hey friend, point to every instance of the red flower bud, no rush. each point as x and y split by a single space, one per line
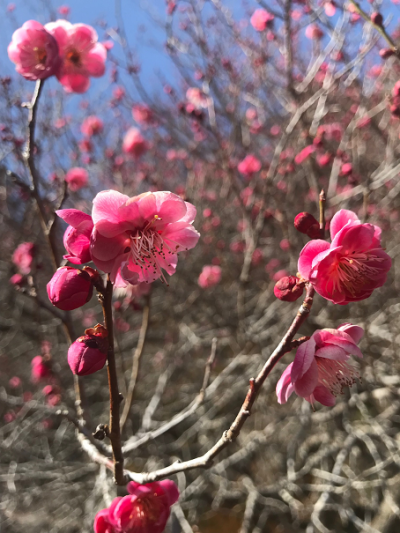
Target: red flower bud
385 53
307 224
376 18
69 288
289 288
87 354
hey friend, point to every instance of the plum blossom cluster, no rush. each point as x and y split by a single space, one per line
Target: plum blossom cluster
146 509
69 51
133 240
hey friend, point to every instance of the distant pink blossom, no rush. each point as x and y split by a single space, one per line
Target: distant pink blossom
34 51
81 54
351 266
313 32
260 19
64 10
134 143
330 8
145 510
196 97
304 154
39 369
321 366
77 178
77 235
92 125
210 276
249 165
23 256
142 114
136 238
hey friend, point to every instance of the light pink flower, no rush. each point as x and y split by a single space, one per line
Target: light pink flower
142 114
92 125
321 366
313 32
352 266
196 97
260 19
134 143
210 276
77 235
82 56
34 51
249 165
77 178
145 510
23 256
135 238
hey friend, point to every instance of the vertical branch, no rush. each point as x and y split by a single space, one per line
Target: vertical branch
115 397
136 362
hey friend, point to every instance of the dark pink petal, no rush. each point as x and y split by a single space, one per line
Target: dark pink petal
303 359
170 489
106 249
74 217
94 61
340 219
324 396
74 83
171 207
330 351
308 254
357 238
338 338
305 385
180 236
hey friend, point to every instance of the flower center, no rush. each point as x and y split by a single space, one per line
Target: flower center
353 271
41 56
74 57
336 374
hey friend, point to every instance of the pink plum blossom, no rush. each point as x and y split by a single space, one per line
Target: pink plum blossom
134 143
196 97
260 19
321 366
77 178
142 114
249 165
92 125
81 55
210 276
145 510
23 256
77 235
88 354
351 266
34 51
135 238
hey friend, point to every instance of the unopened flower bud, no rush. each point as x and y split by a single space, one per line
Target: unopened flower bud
385 53
376 18
87 354
307 224
288 289
69 288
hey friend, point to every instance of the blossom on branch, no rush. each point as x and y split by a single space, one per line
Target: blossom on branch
34 51
77 235
81 55
321 366
134 239
145 510
351 266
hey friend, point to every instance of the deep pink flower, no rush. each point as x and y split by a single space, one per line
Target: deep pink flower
81 55
77 178
352 266
88 354
23 256
210 276
34 51
77 235
39 369
145 510
69 288
134 238
260 19
321 366
134 143
92 125
304 154
249 165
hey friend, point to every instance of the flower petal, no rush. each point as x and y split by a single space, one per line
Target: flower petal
308 254
303 359
284 387
341 218
305 385
106 215
324 396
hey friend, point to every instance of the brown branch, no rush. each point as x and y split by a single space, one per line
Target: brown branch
136 363
105 299
255 386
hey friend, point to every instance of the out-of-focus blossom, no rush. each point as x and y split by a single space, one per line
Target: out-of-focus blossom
34 51
77 235
261 19
23 256
77 178
196 97
82 56
92 125
249 165
210 276
134 143
142 114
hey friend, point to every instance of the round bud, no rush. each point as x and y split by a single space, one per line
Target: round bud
376 18
386 52
288 288
307 224
69 288
87 355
